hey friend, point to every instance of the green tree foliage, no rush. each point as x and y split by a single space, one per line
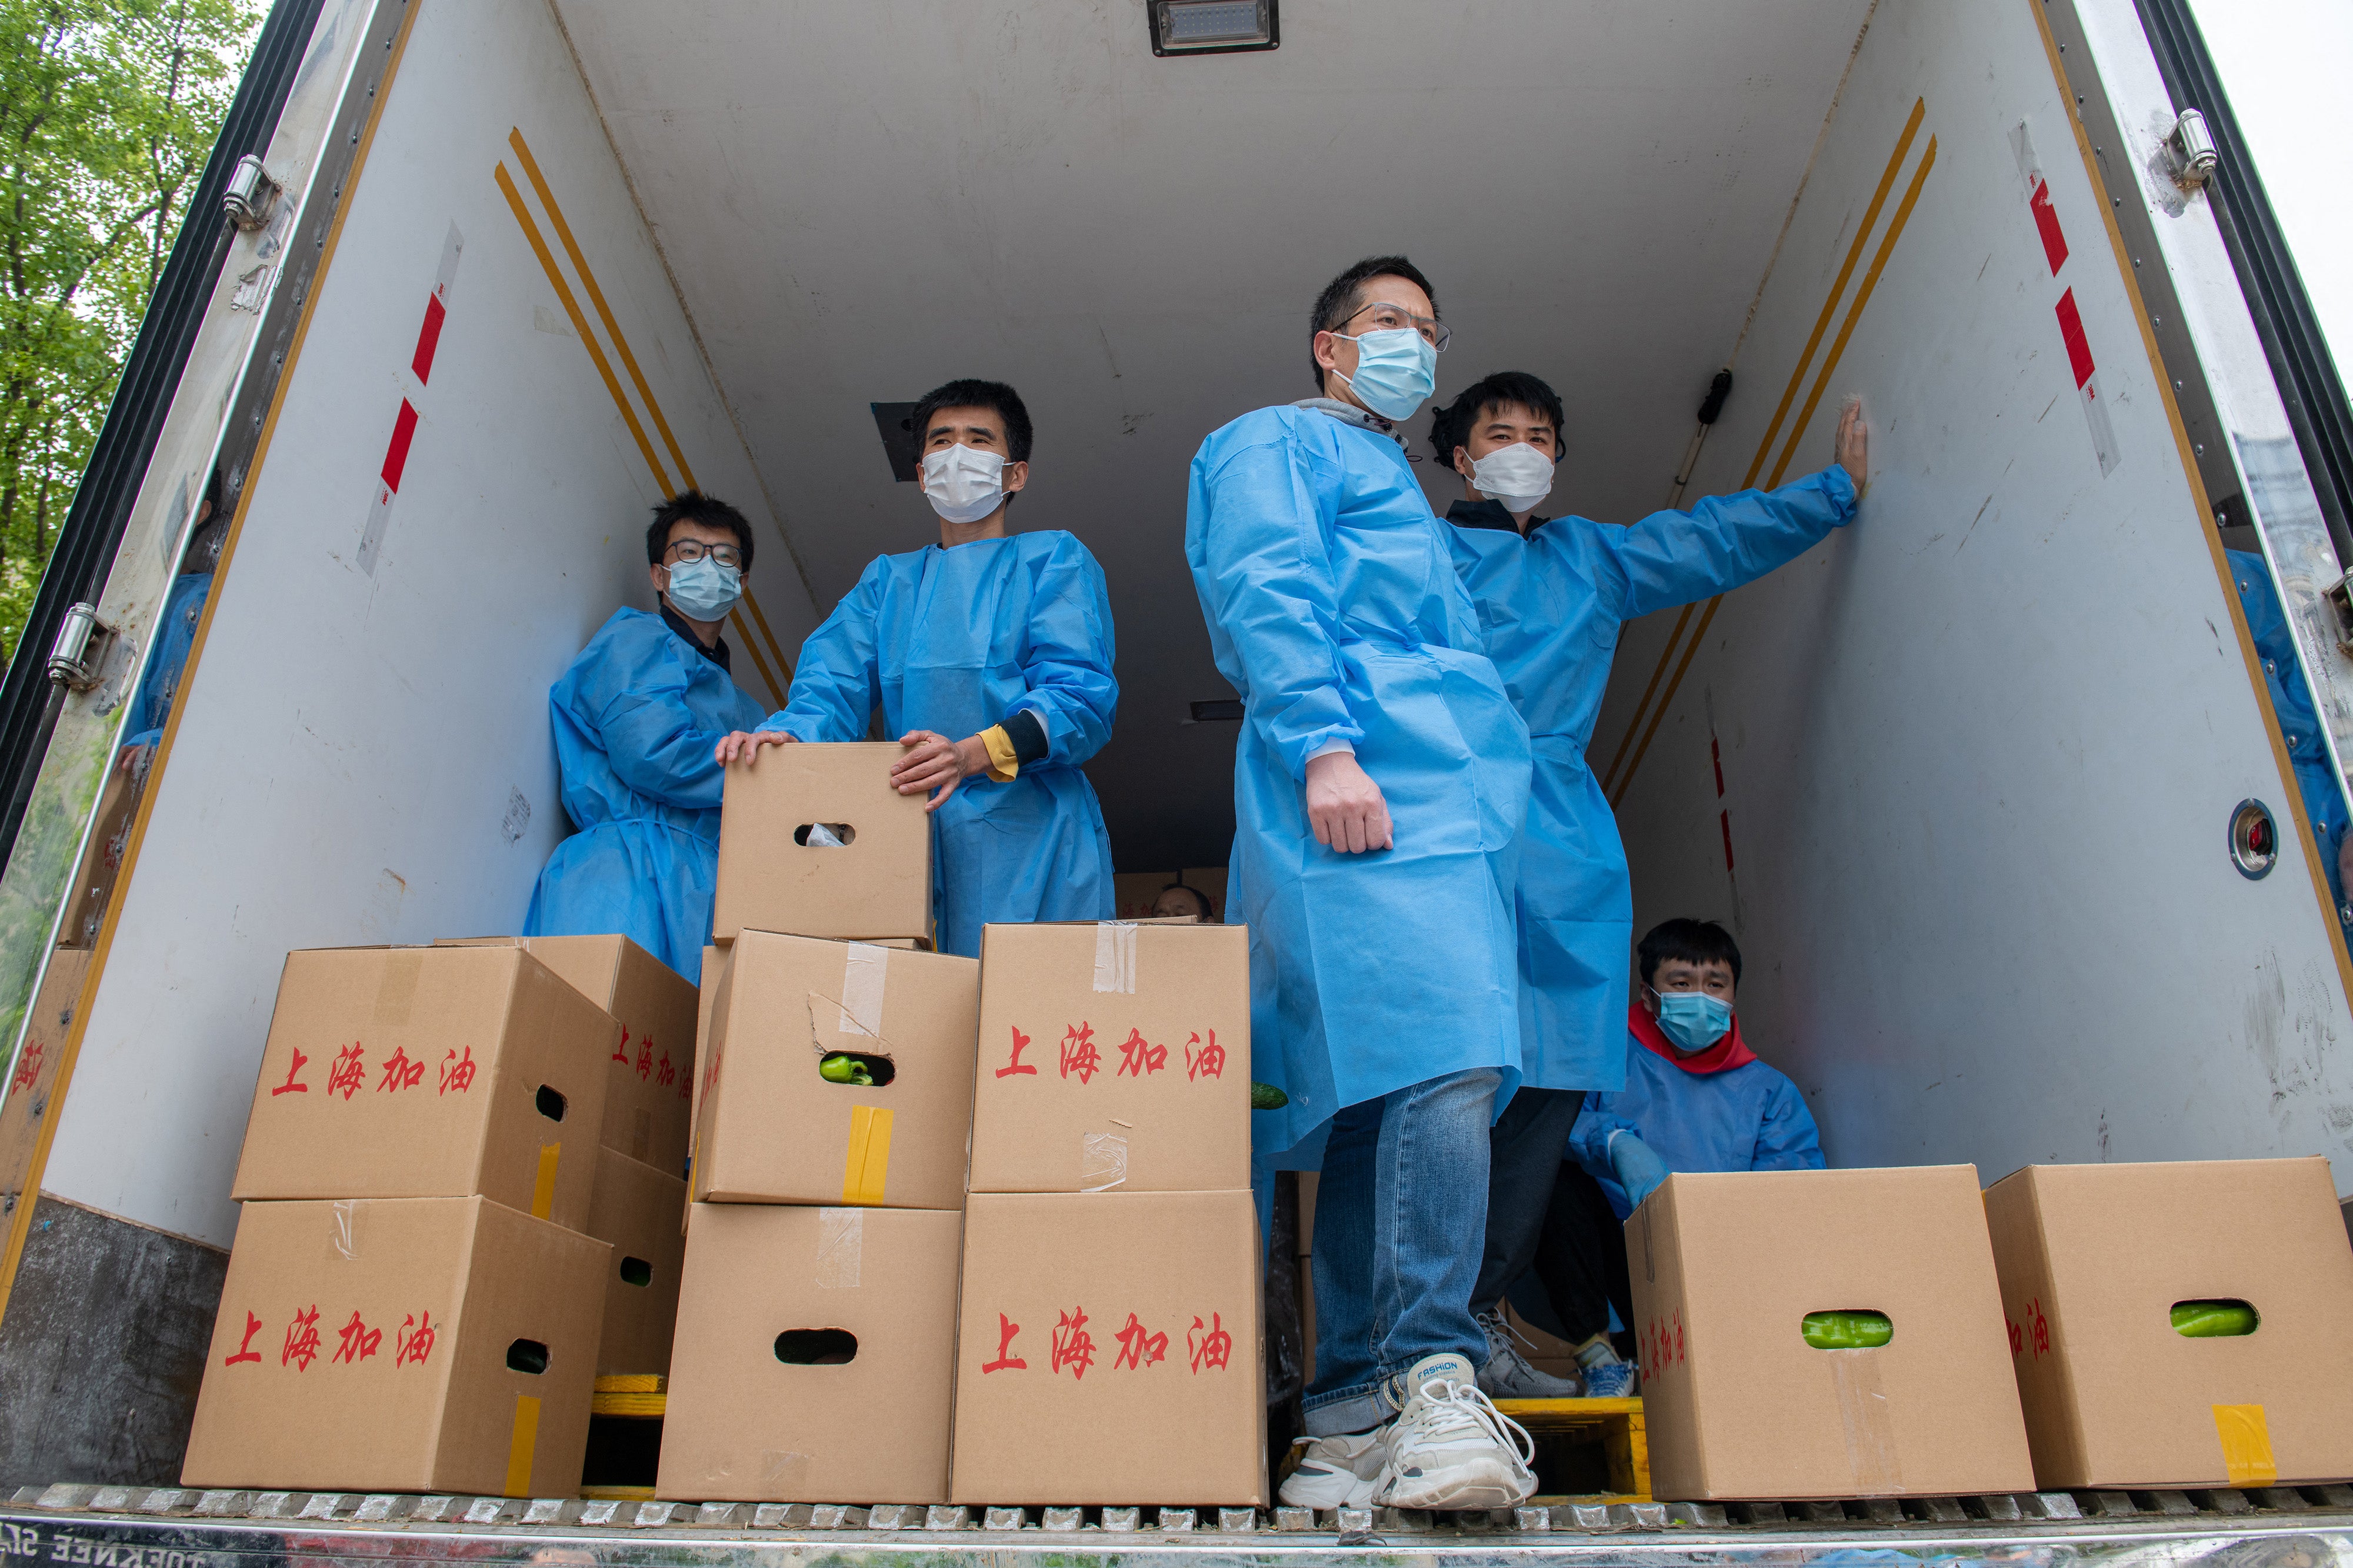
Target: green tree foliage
108 111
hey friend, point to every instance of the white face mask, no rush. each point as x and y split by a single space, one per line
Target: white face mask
963 485
1519 476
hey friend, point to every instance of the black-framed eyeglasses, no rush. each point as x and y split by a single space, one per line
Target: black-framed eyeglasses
687 551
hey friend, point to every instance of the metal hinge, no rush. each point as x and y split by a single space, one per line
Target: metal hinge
251 195
2190 148
78 659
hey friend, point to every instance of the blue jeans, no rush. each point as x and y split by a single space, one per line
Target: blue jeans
1524 1152
1399 1217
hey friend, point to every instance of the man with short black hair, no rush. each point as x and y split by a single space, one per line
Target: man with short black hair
1379 781
636 715
1551 596
990 657
1691 1096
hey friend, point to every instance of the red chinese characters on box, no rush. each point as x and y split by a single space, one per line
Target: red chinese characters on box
355 1341
400 1345
1071 1344
431 1072
1084 1313
1114 1049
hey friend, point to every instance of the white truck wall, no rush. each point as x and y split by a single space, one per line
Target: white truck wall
1977 753
364 755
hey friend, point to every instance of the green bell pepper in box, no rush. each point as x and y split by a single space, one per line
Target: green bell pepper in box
2213 1320
843 1068
1848 1331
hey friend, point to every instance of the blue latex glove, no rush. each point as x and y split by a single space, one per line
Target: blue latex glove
1637 1170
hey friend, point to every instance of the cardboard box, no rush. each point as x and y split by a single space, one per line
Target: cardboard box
2091 1260
714 960
647 1103
1112 1055
33 1077
782 1004
1725 1269
641 1211
816 1357
878 884
400 1345
418 1072
1109 1349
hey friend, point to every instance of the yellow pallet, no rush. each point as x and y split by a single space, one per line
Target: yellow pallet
631 1393
1615 1423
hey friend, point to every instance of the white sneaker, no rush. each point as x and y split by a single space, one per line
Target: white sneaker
1508 1375
1338 1472
1451 1448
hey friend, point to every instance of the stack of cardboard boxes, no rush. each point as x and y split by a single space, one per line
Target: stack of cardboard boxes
2032 1343
1108 1348
411 1304
833 1107
640 1188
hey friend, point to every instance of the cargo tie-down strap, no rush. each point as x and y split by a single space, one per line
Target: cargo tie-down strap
2246 1445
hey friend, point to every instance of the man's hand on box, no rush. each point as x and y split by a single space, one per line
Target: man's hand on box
932 761
1345 806
743 746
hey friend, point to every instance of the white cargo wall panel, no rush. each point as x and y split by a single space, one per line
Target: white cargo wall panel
364 754
1961 779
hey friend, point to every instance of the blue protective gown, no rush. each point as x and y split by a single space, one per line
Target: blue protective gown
1748 1117
637 716
956 640
1335 611
1550 605
175 632
2316 781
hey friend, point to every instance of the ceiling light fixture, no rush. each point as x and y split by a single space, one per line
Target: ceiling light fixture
1212 27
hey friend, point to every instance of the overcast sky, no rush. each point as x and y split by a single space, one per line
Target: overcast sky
2288 68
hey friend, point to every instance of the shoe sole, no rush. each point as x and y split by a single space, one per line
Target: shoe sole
1359 1495
1480 1487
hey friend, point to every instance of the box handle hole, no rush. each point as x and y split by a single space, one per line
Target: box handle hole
2215 1319
1848 1328
861 1068
551 1103
817 1347
636 1271
825 835
527 1356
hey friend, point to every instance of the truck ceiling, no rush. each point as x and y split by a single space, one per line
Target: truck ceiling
858 203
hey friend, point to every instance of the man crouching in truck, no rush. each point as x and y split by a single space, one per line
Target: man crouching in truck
1691 1096
990 655
636 715
1379 781
1551 596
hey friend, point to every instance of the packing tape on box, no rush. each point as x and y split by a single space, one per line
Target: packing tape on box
1862 1409
2246 1445
1115 956
1103 1161
522 1445
395 989
865 968
342 1231
866 1169
782 1470
543 1189
840 1248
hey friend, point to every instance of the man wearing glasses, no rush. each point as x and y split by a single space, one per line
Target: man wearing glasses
1380 780
636 715
990 657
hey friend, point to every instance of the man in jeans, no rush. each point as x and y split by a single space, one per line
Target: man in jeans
1379 780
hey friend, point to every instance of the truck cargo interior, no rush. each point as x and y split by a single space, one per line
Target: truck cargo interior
1963 782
